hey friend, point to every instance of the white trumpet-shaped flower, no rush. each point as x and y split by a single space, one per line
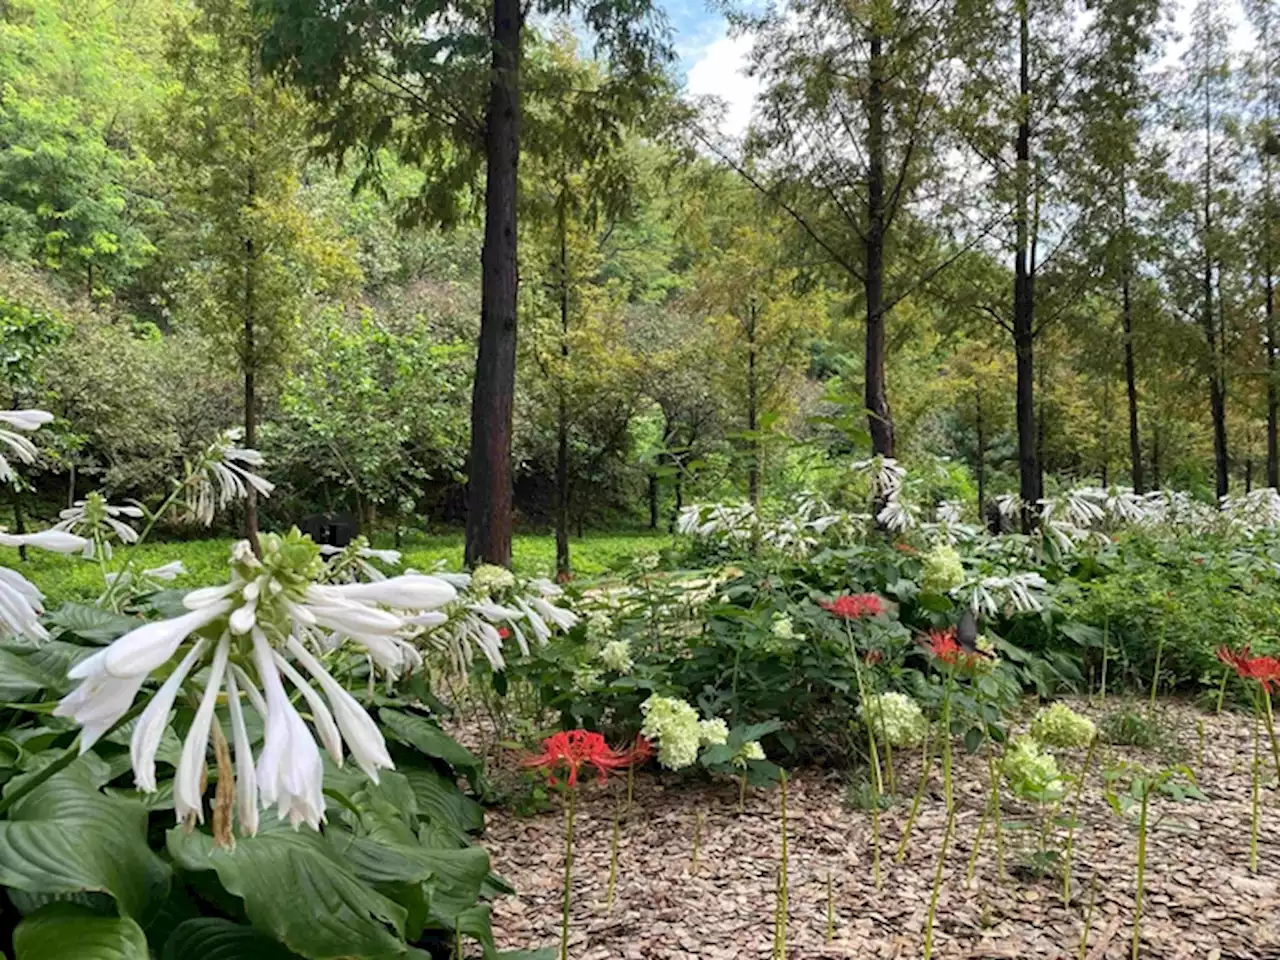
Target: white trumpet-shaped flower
272 623
99 522
224 474
26 421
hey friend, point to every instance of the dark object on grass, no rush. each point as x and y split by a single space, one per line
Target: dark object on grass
330 529
967 634
997 522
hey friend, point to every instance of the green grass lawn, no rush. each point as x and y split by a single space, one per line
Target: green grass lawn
72 578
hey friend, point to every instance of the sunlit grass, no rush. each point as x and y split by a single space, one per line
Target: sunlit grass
72 578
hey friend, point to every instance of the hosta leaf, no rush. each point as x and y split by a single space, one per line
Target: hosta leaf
211 938
442 802
66 836
91 623
296 887
26 670
454 875
423 735
62 931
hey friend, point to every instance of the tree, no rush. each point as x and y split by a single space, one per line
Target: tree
439 85
235 139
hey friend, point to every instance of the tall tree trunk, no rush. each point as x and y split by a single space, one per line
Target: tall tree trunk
489 509
1217 394
1130 369
1024 288
562 414
1269 307
653 500
250 355
879 418
753 409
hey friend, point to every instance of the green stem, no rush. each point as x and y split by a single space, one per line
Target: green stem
1142 869
1255 790
925 770
780 932
937 883
977 843
631 782
1155 676
1271 729
831 910
568 872
946 738
1200 748
994 774
742 792
132 555
1106 642
1088 919
1071 825
1222 691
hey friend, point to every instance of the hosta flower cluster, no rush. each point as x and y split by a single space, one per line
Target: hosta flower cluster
1058 725
1030 769
493 605
274 623
679 732
896 717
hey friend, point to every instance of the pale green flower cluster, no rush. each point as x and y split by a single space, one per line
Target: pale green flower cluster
1030 769
616 656
897 718
751 750
599 626
490 579
783 628
586 679
943 571
1060 726
713 733
675 726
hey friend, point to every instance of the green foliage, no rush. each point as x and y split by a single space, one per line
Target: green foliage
1058 725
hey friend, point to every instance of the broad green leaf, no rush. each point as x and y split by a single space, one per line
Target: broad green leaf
66 836
212 938
91 623
455 875
424 735
299 889
26 670
63 931
442 802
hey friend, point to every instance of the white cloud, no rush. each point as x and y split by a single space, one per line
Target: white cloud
720 71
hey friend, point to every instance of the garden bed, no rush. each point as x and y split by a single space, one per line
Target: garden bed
1202 900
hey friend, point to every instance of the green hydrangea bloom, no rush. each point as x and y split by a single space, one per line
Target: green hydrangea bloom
616 656
599 626
897 718
489 579
1030 769
675 726
783 628
586 679
751 750
943 571
1060 726
713 733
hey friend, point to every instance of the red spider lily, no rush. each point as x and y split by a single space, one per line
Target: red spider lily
872 657
943 646
504 632
1265 670
575 749
641 751
854 606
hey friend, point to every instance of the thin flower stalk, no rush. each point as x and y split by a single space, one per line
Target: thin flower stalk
780 925
831 910
937 883
1088 919
946 738
571 794
1155 674
994 774
926 768
977 843
1140 889
1071 823
1269 716
613 860
1255 792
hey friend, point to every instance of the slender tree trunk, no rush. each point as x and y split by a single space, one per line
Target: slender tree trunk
19 518
753 410
1024 289
249 358
879 418
563 571
489 508
1130 368
1269 307
1217 395
653 500
1248 474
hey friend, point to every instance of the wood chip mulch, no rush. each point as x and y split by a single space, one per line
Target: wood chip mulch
1202 901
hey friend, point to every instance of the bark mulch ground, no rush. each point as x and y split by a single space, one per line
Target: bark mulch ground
1202 900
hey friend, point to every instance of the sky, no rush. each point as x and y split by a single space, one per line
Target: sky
712 61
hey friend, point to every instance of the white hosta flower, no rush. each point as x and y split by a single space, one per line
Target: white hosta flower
898 515
266 624
19 420
98 522
1022 592
53 540
224 474
885 475
21 605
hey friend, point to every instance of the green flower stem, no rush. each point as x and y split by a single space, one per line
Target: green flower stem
132 555
946 738
742 792
872 752
1271 729
1155 674
572 794
1071 825
631 783
780 921
937 883
1255 788
1200 747
1222 690
926 769
994 774
1142 869
888 752
977 843
1106 643
1088 919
